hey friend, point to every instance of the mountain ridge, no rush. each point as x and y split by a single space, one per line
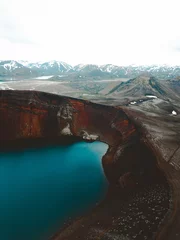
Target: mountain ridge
12 68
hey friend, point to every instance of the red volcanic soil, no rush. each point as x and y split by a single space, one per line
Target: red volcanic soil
137 205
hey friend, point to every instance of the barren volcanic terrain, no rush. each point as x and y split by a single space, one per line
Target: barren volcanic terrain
141 163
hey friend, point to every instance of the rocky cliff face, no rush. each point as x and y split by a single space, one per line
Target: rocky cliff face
28 114
131 162
32 115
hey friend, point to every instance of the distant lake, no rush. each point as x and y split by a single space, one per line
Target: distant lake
41 188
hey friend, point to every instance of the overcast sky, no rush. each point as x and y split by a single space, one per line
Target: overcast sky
91 31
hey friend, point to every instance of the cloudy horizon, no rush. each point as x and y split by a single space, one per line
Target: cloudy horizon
91 31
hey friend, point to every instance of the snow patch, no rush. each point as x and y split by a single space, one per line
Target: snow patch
174 113
44 77
133 102
10 66
86 94
151 96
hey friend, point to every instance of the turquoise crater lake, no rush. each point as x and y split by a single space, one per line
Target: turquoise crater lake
41 188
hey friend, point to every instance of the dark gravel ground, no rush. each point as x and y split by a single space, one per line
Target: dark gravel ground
136 215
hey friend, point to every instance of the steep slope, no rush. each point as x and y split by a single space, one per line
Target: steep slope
173 84
143 85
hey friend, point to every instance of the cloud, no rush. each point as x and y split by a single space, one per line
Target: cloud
91 31
11 27
177 49
175 44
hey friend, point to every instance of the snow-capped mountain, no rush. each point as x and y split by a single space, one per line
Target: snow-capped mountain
24 63
10 65
87 71
57 65
50 68
131 71
109 68
11 68
86 67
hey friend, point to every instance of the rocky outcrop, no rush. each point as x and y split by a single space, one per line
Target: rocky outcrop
130 164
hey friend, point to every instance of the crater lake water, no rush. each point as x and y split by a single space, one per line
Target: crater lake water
41 188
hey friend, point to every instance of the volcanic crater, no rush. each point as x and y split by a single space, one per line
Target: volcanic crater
142 199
